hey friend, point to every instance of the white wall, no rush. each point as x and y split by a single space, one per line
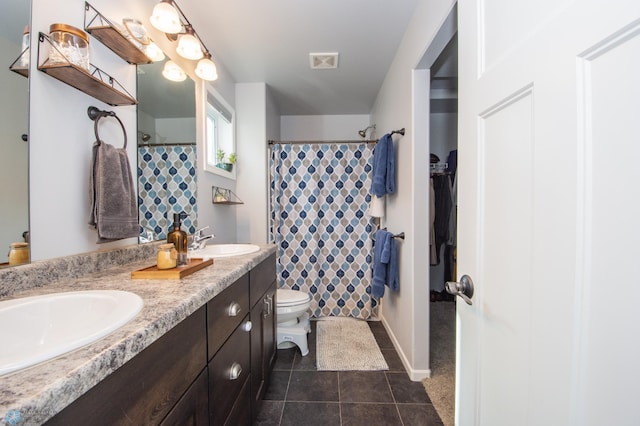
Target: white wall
61 139
322 127
258 121
406 313
175 130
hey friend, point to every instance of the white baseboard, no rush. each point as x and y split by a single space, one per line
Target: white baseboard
414 375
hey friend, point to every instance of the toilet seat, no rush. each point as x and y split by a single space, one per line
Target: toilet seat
286 298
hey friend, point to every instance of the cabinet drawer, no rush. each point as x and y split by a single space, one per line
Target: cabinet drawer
224 386
261 278
225 312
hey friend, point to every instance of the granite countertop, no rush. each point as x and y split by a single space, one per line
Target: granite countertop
37 393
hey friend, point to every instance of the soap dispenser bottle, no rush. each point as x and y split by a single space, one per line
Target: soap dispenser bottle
179 239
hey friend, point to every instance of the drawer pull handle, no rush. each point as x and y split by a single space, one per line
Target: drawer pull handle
234 309
235 371
266 307
247 326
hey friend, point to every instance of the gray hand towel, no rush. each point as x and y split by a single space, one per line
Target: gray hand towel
113 198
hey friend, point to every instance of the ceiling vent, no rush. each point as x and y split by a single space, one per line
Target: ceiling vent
323 61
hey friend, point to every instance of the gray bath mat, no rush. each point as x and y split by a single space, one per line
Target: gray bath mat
347 344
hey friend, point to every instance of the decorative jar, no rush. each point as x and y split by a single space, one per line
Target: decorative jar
19 254
167 256
70 45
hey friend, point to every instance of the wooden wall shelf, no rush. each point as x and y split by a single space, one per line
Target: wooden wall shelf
224 196
108 34
17 66
96 83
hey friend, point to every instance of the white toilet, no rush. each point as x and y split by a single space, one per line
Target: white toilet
293 319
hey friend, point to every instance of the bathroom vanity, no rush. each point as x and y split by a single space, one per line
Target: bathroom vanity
200 352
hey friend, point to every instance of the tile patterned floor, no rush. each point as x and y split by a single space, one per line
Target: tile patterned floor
299 395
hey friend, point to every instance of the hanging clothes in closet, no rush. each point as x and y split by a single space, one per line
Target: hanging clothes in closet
442 221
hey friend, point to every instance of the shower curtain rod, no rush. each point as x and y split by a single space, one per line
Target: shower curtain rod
393 132
272 142
168 144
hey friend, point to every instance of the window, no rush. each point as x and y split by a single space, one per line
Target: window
219 136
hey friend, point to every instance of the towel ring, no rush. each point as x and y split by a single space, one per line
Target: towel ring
95 114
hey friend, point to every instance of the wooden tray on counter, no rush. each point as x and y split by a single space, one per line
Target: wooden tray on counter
153 273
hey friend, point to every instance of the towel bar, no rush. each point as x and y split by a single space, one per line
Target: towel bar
96 114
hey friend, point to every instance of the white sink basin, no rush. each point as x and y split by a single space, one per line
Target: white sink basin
39 328
217 251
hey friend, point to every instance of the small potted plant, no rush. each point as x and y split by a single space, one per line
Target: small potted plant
220 157
225 165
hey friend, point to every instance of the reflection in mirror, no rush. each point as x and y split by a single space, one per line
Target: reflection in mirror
220 142
166 152
14 112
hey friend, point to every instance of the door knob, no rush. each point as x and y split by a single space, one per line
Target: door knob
463 288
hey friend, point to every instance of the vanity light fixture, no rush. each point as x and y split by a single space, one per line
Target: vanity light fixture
169 18
172 71
153 52
166 18
188 45
206 69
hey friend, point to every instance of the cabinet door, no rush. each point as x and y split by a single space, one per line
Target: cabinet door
193 407
263 345
241 412
145 389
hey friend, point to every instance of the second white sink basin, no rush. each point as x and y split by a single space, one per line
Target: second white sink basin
40 328
225 250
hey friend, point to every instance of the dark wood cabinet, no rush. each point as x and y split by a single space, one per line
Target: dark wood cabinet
212 368
262 294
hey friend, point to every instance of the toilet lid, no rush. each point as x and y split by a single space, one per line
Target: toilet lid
291 297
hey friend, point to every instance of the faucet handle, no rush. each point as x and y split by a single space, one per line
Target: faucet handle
199 231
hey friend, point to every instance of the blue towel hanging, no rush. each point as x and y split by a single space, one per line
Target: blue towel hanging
384 167
385 264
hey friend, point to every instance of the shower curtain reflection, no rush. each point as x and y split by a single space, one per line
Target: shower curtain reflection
166 185
319 196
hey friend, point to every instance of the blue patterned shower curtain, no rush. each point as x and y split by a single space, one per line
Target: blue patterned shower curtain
319 199
166 185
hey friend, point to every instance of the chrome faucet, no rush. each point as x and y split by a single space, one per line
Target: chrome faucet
199 240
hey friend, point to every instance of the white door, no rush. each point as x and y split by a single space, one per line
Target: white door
549 208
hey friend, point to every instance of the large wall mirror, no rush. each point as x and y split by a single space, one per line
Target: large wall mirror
14 119
166 152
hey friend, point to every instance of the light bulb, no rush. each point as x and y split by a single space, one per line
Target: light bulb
189 46
153 52
165 18
173 72
206 69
